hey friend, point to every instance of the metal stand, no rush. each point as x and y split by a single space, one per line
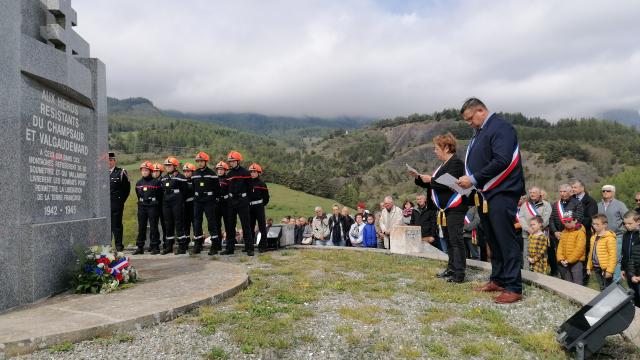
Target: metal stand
580 351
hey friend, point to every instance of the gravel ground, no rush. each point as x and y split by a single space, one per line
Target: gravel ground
398 327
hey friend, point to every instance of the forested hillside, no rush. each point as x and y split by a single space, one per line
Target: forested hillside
368 163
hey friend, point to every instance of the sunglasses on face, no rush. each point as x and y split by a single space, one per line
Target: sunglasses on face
604 191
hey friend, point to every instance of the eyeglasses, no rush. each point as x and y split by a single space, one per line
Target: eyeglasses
637 200
604 191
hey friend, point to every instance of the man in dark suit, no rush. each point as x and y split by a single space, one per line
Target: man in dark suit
589 208
493 165
120 187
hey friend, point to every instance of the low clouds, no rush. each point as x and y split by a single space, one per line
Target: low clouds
368 58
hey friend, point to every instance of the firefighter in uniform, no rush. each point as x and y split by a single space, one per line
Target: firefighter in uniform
258 200
207 190
148 192
222 208
187 171
240 184
174 186
120 188
158 169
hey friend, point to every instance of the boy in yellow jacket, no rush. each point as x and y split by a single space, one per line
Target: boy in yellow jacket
571 249
602 260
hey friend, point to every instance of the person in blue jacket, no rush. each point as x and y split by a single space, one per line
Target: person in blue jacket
493 165
369 236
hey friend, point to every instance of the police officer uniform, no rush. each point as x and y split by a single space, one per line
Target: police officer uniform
148 192
174 188
258 200
120 187
240 185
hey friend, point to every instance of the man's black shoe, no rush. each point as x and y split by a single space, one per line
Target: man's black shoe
213 252
155 251
226 252
139 251
457 280
249 253
444 274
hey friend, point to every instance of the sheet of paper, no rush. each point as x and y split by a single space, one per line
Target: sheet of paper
412 169
450 181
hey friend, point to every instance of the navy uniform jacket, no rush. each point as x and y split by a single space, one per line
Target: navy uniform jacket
490 153
259 194
119 187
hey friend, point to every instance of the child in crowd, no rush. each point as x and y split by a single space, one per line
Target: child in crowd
537 246
571 249
369 237
603 255
631 253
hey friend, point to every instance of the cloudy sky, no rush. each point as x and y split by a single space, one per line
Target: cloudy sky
369 58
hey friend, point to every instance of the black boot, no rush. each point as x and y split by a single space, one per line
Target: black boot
182 248
155 251
226 252
197 247
168 249
213 251
139 251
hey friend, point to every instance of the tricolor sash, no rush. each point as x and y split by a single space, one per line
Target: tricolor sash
474 237
454 200
531 209
495 181
560 209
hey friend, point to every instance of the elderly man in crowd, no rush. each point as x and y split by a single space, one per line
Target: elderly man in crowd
390 216
638 202
533 206
614 209
320 226
559 209
424 216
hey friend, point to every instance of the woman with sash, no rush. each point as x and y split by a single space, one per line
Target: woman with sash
451 207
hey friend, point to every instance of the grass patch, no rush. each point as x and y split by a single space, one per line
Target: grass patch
344 330
216 353
62 347
436 350
364 313
274 314
460 328
382 346
434 314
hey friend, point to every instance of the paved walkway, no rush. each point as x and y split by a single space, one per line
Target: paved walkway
170 285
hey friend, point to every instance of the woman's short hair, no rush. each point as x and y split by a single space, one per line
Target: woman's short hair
446 141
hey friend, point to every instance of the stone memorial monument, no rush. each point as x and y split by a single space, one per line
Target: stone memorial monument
53 116
408 240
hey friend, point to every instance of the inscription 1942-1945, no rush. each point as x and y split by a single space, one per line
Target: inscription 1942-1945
58 156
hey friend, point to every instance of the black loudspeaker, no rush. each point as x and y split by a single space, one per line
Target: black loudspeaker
273 237
609 313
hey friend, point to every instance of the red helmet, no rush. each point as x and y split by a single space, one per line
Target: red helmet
234 156
188 167
157 167
146 165
172 161
255 167
222 165
202 156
